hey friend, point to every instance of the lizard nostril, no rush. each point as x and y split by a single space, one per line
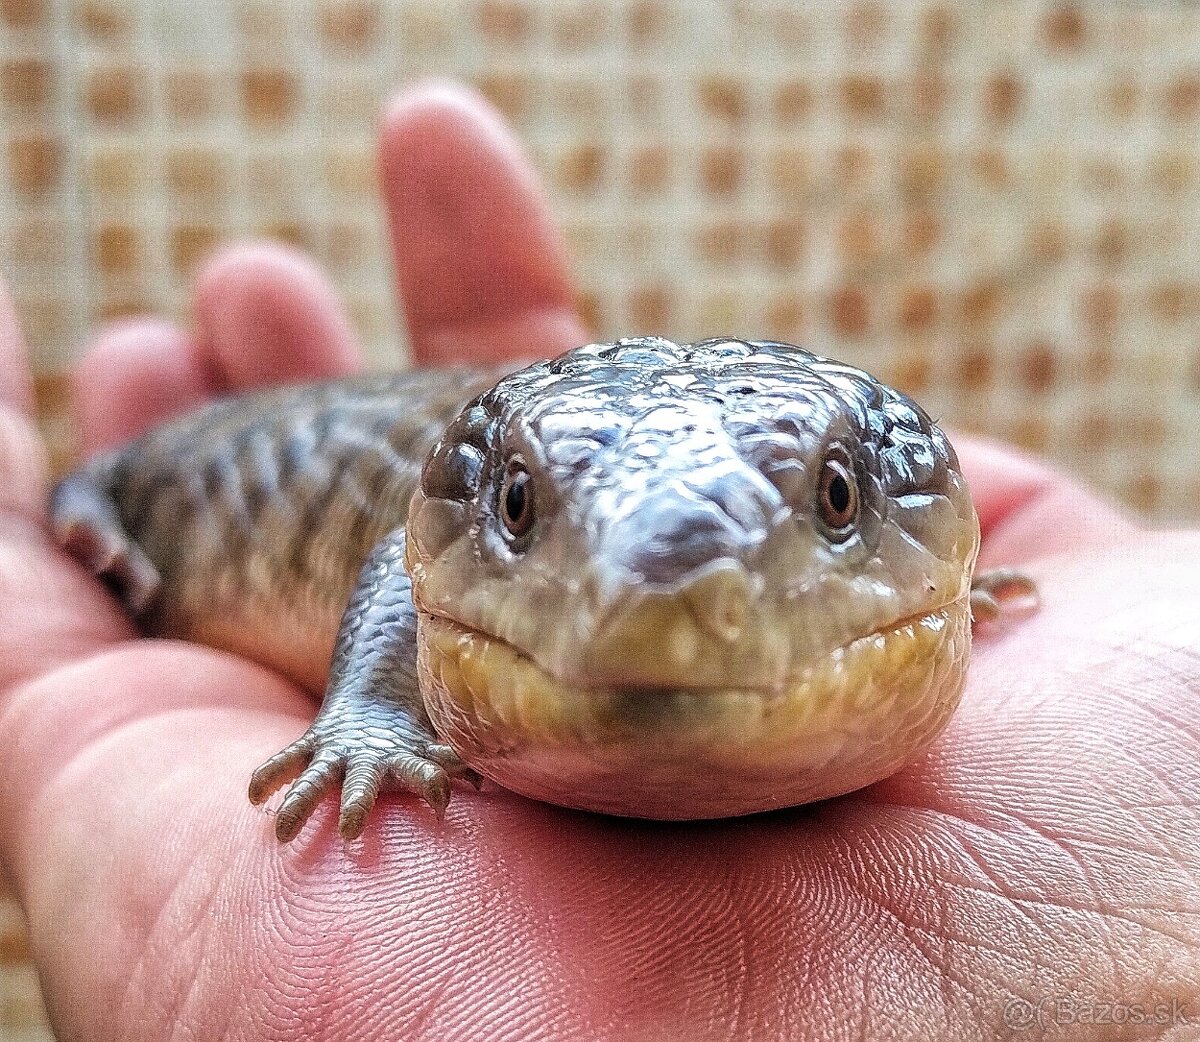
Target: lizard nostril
719 599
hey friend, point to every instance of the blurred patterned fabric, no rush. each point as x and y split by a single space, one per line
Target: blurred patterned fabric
995 205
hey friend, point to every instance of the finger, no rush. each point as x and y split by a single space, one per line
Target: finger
22 455
134 376
1029 508
482 269
52 612
267 315
16 384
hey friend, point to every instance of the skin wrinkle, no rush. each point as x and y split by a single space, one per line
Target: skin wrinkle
1081 807
736 977
134 924
759 888
261 939
111 730
1096 908
943 977
998 889
315 971
1168 720
1133 610
1009 794
296 995
909 930
418 1024
1059 844
1179 804
939 958
444 957
743 987
145 965
620 921
1101 914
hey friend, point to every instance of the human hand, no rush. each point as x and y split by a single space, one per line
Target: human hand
1045 851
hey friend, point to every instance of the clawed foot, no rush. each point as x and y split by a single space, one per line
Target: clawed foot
1001 591
364 765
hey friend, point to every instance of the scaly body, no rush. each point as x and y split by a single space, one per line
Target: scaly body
652 579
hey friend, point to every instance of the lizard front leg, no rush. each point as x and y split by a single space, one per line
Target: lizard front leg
372 731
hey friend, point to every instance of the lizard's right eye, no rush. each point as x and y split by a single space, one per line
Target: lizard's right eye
516 499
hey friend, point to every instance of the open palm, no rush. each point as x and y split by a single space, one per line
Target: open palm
1042 861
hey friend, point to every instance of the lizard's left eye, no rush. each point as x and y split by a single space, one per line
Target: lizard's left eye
516 499
837 499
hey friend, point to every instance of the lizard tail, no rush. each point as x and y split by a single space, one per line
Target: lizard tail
88 526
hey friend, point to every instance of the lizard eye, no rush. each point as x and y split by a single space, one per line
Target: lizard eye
516 499
837 499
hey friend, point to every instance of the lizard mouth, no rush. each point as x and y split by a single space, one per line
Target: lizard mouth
842 722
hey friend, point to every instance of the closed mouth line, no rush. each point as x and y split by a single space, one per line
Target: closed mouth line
649 689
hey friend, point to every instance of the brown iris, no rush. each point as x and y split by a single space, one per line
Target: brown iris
516 499
837 498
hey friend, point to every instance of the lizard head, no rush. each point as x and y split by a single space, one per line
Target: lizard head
685 581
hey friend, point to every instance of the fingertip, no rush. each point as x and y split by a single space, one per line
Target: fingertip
436 103
473 236
136 374
268 315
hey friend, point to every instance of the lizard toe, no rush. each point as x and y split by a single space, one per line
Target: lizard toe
425 778
281 768
453 764
359 791
317 779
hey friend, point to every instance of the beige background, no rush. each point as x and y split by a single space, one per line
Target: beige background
996 205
